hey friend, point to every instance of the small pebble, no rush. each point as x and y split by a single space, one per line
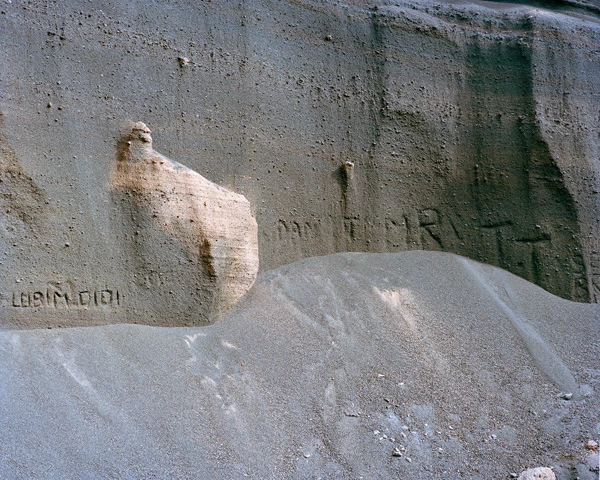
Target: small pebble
328 38
566 396
396 452
591 445
540 473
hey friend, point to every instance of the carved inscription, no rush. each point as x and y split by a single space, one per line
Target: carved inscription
431 229
352 227
536 252
397 232
67 298
579 281
294 230
423 228
416 229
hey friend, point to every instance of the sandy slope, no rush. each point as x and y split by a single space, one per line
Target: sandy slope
325 367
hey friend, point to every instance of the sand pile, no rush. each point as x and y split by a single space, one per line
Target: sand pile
410 365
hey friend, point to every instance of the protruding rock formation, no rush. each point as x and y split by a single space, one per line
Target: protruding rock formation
191 245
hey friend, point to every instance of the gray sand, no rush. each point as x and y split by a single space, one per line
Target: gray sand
325 369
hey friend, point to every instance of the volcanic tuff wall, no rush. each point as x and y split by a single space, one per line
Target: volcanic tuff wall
468 127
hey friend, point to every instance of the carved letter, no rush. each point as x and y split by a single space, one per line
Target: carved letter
25 300
38 299
106 297
429 221
282 230
61 297
85 298
296 230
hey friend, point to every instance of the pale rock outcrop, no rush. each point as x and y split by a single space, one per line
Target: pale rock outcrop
194 241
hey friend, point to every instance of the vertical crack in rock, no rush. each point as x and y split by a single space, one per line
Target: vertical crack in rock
190 245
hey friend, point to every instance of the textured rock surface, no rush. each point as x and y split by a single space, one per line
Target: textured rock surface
187 248
192 245
471 127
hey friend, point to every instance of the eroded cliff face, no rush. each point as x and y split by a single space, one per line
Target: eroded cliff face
469 127
460 151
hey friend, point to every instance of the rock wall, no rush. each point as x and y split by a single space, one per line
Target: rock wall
466 127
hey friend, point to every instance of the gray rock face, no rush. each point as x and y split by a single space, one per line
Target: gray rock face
464 127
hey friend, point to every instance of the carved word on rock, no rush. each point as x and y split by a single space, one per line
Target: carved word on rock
534 252
205 235
56 297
